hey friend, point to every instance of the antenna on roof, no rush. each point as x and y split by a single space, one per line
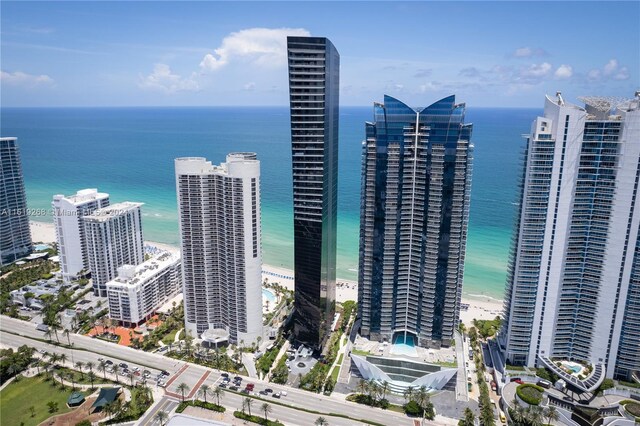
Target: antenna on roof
560 100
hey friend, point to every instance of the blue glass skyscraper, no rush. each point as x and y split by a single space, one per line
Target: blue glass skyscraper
416 181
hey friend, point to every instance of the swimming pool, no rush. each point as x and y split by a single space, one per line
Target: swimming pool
268 294
41 247
404 345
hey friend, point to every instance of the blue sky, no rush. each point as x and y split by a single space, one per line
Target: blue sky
222 53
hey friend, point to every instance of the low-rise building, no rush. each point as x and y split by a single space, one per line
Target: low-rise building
138 291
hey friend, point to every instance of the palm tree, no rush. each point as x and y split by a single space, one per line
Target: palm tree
161 417
102 366
218 392
131 377
535 416
92 377
62 358
518 411
89 365
551 414
73 379
247 402
385 388
204 390
183 387
321 421
408 393
116 369
266 409
362 386
422 397
49 334
66 333
79 366
469 418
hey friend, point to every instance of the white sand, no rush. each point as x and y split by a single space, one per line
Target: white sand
42 232
480 307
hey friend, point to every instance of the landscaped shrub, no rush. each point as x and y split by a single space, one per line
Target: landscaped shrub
201 404
632 407
256 419
530 393
412 408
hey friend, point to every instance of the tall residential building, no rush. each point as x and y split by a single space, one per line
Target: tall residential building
114 238
573 289
15 236
219 209
416 182
68 214
314 72
138 291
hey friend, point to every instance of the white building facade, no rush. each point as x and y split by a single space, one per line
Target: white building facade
138 291
573 290
219 210
114 238
68 214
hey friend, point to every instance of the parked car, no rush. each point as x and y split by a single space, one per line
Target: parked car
268 390
225 374
233 388
544 384
283 393
276 395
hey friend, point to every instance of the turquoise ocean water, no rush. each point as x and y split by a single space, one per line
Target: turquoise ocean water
129 152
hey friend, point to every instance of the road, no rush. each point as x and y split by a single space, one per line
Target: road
92 349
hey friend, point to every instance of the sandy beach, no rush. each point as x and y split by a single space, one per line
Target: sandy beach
480 307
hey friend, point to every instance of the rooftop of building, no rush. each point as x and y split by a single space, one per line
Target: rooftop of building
82 196
113 210
200 165
8 138
601 107
132 275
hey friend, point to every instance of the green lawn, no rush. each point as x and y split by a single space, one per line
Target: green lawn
170 338
359 352
16 399
335 372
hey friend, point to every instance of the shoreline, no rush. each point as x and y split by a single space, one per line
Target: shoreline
480 306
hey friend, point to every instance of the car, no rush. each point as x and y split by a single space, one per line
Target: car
238 378
250 386
123 365
263 392
222 385
268 390
233 388
164 372
519 381
283 393
108 362
225 375
276 395
100 359
42 351
162 384
135 369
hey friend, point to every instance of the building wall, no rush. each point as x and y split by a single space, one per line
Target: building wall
134 301
15 236
219 209
114 238
415 205
571 266
68 213
314 66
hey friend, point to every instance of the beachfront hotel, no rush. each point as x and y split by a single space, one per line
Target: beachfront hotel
219 217
15 236
138 291
573 288
314 72
416 182
114 238
68 214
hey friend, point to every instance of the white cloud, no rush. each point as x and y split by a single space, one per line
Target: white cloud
528 52
250 86
260 46
611 69
563 72
164 80
19 78
536 70
429 87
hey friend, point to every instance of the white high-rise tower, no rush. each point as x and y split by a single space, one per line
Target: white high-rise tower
68 214
573 290
219 208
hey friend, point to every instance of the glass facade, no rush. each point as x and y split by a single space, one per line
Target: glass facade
416 182
15 236
314 65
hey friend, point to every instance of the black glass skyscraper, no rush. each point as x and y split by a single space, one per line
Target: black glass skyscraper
314 65
416 180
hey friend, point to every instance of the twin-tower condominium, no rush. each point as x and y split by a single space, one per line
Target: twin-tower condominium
573 289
